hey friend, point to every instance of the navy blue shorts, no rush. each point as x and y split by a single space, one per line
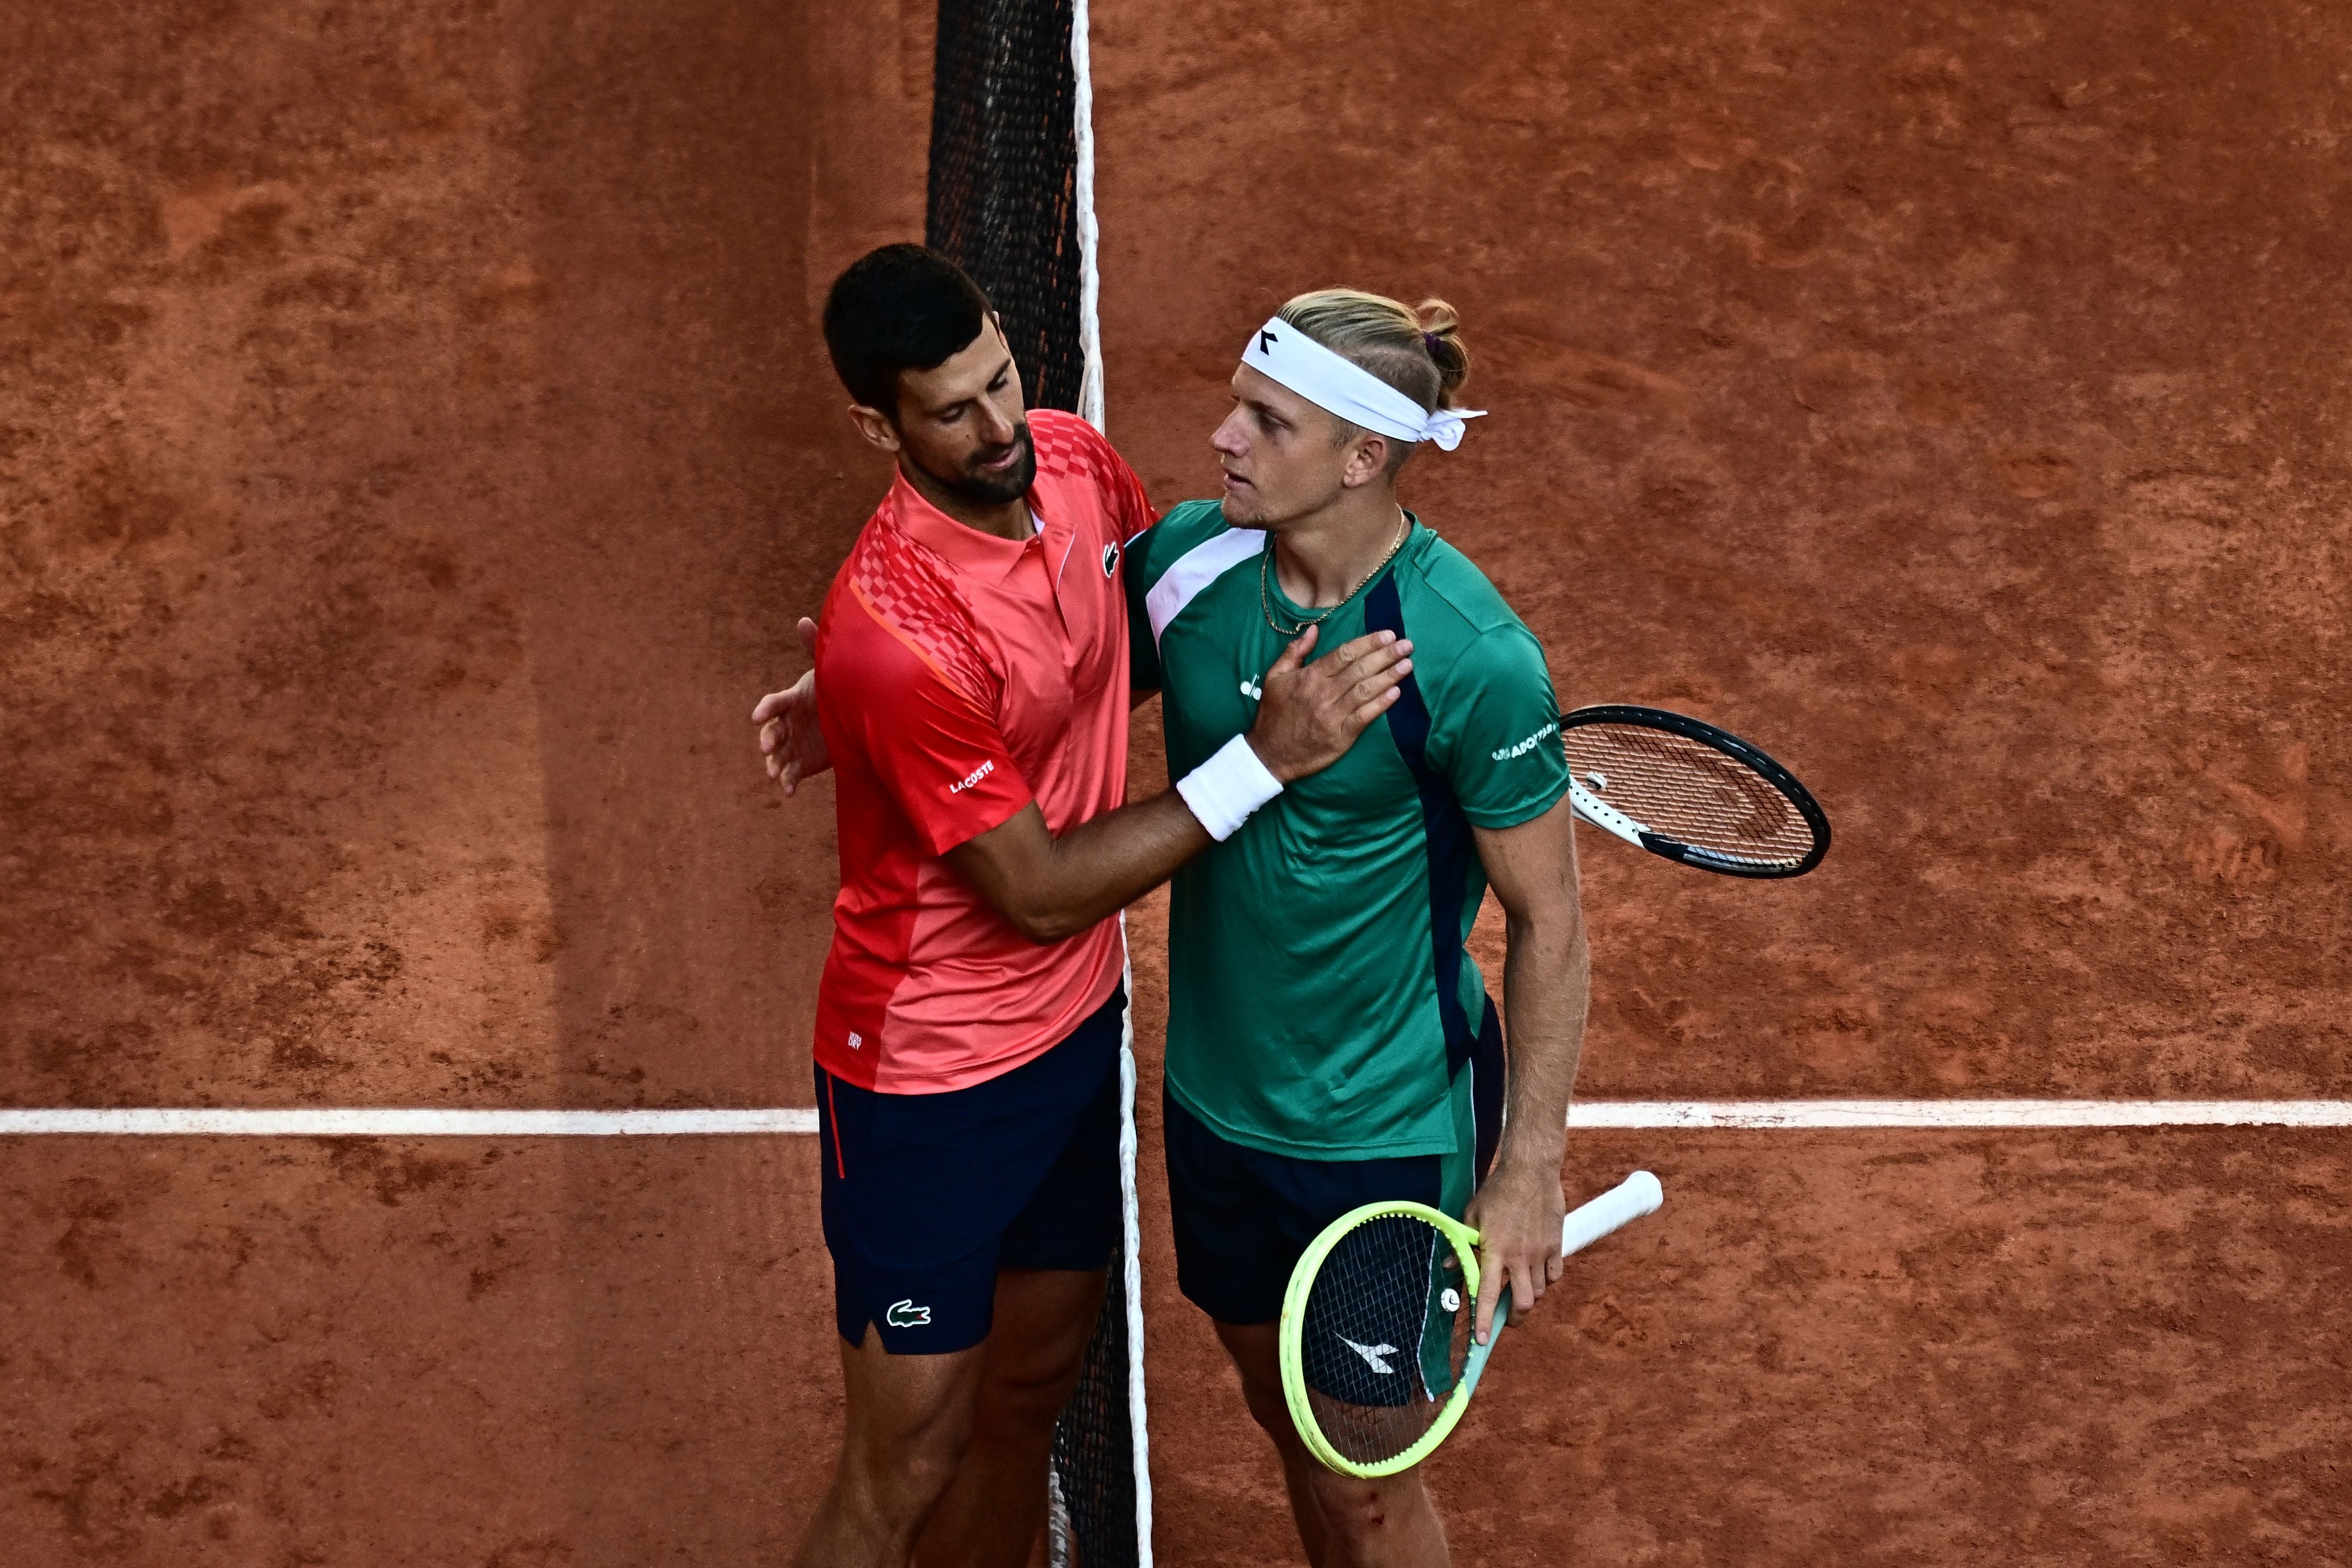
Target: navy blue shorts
1243 1216
927 1195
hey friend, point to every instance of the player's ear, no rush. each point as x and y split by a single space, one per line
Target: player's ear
1367 459
875 427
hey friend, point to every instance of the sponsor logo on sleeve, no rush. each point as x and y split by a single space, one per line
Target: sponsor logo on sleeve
973 777
1529 744
1110 560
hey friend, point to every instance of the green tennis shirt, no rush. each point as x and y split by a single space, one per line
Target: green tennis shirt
1321 1000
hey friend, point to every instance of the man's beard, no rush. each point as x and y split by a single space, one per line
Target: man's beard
984 490
1249 515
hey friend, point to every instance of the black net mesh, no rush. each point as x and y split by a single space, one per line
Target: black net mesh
1093 1519
1004 178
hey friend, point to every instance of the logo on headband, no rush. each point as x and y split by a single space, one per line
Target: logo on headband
1266 341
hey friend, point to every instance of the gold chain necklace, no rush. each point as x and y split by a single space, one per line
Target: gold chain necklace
1265 594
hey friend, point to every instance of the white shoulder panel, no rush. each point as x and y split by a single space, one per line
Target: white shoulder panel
1195 570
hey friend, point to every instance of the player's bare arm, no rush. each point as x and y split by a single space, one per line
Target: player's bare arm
1547 984
1053 887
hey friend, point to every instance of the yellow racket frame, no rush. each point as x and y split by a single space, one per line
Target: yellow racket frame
1464 1242
1629 1200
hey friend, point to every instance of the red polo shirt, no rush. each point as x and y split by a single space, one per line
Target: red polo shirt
964 676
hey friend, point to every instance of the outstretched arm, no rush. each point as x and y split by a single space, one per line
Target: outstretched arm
1052 888
1547 983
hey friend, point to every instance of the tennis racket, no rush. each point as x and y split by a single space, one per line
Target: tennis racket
1681 788
1378 1359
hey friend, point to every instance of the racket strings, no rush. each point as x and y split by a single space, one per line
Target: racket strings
1689 791
1384 1336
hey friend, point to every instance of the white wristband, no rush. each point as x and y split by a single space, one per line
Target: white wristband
1225 789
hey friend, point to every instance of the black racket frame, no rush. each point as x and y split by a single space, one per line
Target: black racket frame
1739 750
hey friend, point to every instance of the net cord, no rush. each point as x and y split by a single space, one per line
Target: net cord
1131 1220
1090 409
1090 384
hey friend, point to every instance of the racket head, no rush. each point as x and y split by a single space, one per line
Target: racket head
1695 794
1375 1337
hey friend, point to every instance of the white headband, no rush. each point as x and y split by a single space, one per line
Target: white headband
1341 387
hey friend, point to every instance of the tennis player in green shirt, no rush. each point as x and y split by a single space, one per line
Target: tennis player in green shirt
1330 1041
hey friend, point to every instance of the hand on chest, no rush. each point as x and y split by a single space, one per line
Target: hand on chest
1214 682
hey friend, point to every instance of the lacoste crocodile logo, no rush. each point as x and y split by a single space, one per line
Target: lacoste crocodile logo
906 1315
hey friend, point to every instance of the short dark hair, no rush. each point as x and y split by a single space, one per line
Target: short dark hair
902 307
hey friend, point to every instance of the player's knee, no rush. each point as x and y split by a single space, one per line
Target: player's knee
1363 1512
907 1475
907 1462
931 1466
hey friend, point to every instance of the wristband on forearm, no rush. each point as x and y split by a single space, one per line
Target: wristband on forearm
1225 789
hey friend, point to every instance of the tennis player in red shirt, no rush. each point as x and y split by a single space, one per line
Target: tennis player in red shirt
973 655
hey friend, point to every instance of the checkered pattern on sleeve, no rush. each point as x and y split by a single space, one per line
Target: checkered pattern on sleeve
1069 448
912 591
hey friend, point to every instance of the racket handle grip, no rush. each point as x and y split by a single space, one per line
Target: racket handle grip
1629 1200
1473 1366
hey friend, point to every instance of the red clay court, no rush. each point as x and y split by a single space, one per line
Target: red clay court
415 444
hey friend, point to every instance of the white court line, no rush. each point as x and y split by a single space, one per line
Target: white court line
388 1122
1962 1113
1931 1114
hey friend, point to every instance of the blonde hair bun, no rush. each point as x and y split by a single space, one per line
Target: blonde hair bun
1440 334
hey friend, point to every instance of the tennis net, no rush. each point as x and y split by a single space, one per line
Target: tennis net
1010 199
1011 191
